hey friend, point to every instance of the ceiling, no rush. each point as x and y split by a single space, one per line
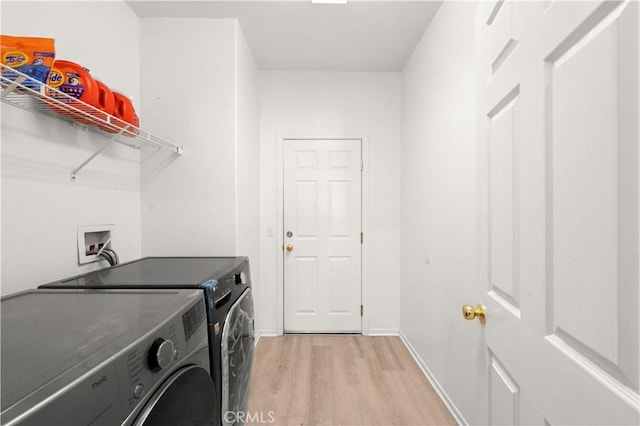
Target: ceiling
363 35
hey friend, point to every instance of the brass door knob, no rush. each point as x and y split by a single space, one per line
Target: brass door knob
289 247
469 313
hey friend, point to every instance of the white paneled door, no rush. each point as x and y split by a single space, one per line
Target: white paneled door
322 243
558 120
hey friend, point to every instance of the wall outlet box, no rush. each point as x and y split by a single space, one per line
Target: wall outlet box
91 239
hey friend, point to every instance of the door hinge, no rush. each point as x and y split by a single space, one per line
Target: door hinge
362 238
361 165
361 310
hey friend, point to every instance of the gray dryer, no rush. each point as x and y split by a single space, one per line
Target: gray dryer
106 357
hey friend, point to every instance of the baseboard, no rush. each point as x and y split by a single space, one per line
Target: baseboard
264 333
372 332
458 417
383 332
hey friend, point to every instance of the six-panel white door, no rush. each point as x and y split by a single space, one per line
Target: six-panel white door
558 120
322 225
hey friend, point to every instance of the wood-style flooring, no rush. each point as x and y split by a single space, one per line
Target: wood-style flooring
340 380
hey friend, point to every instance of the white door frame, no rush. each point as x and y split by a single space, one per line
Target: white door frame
280 223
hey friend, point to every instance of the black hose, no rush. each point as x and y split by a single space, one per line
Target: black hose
110 256
107 256
115 255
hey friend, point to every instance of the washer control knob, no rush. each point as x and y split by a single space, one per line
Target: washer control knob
138 391
160 354
240 278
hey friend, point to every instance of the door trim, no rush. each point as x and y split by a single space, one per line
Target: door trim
280 223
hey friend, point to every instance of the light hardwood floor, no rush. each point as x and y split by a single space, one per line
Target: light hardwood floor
341 380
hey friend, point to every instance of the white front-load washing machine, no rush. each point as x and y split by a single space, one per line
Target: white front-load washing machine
106 357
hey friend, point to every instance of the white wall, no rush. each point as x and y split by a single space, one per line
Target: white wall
41 207
189 202
308 104
203 203
439 202
248 161
206 202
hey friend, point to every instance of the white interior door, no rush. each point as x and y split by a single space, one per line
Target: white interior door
558 119
322 243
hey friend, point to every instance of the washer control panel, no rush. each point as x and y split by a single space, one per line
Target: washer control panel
149 362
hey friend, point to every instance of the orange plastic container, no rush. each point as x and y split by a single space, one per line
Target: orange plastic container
106 100
75 81
106 103
125 111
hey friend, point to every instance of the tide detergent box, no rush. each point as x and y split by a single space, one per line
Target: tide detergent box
32 56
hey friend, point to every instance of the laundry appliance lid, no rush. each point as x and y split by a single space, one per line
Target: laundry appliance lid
52 337
153 272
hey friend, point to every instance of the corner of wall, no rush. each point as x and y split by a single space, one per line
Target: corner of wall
247 160
438 203
198 187
446 399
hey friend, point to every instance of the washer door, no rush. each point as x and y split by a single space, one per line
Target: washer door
186 399
238 340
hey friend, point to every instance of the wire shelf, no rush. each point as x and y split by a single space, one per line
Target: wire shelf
22 91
